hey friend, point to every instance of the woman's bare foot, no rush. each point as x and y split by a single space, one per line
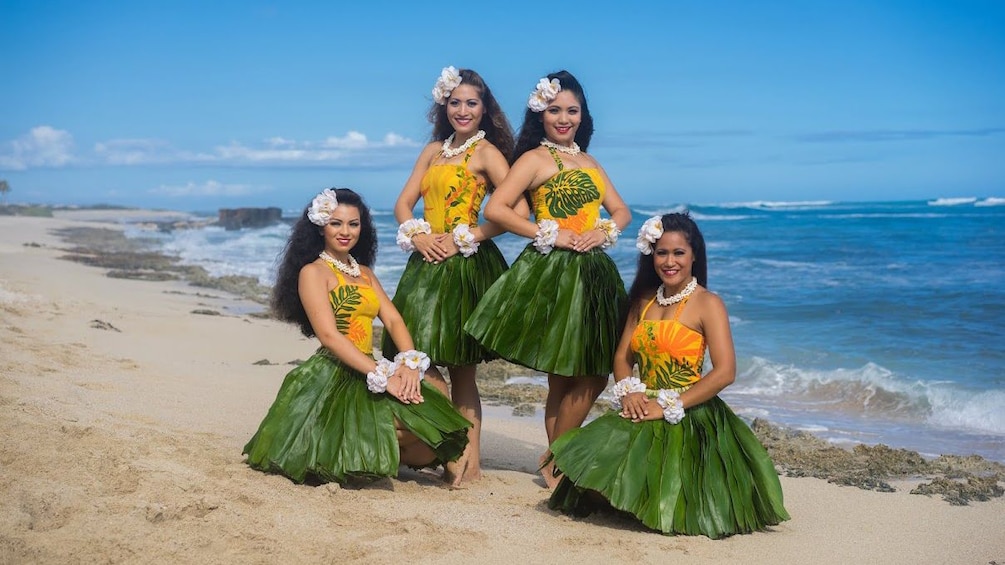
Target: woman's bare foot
548 472
472 473
453 471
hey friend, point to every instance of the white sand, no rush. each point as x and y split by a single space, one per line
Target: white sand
125 447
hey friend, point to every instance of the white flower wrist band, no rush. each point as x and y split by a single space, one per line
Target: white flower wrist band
409 229
611 232
673 406
413 360
624 387
546 236
669 400
465 240
376 380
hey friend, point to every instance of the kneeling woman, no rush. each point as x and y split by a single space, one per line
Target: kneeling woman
671 453
342 413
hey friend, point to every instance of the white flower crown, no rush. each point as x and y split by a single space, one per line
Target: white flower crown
650 231
320 212
449 79
543 94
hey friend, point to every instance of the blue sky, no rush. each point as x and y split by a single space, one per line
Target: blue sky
194 105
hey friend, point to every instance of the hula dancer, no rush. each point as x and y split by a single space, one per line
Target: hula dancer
672 453
343 413
453 260
557 308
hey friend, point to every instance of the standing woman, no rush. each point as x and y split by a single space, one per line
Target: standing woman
342 413
557 308
672 453
453 259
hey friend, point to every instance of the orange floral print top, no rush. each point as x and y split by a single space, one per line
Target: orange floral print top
452 195
572 197
670 354
355 306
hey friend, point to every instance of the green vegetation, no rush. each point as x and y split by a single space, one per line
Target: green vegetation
29 210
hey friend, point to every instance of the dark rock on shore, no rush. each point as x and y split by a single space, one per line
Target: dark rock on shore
138 259
237 218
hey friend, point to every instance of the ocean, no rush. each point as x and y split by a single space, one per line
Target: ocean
860 322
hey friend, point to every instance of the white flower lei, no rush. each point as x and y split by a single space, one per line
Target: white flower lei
543 94
611 232
546 236
650 231
465 240
448 81
320 212
409 229
376 380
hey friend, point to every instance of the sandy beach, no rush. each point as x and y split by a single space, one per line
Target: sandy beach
125 404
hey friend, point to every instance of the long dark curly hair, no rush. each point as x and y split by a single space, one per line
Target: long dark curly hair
532 129
647 280
497 127
305 243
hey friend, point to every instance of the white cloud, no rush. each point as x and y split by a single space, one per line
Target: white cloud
393 140
208 188
46 147
352 140
134 152
43 146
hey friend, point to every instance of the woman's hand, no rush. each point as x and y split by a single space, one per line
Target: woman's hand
636 406
431 248
446 241
565 239
588 240
404 385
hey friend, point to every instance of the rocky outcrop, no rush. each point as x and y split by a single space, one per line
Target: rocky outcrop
237 218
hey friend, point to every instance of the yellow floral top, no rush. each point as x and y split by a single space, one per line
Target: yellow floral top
355 306
572 197
452 195
670 354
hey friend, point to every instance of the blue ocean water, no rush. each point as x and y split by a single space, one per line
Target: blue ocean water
874 322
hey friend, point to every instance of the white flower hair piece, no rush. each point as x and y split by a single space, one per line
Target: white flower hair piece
449 79
543 94
650 231
320 212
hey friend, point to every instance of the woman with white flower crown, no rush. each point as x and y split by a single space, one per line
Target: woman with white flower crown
342 413
671 452
453 259
557 308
